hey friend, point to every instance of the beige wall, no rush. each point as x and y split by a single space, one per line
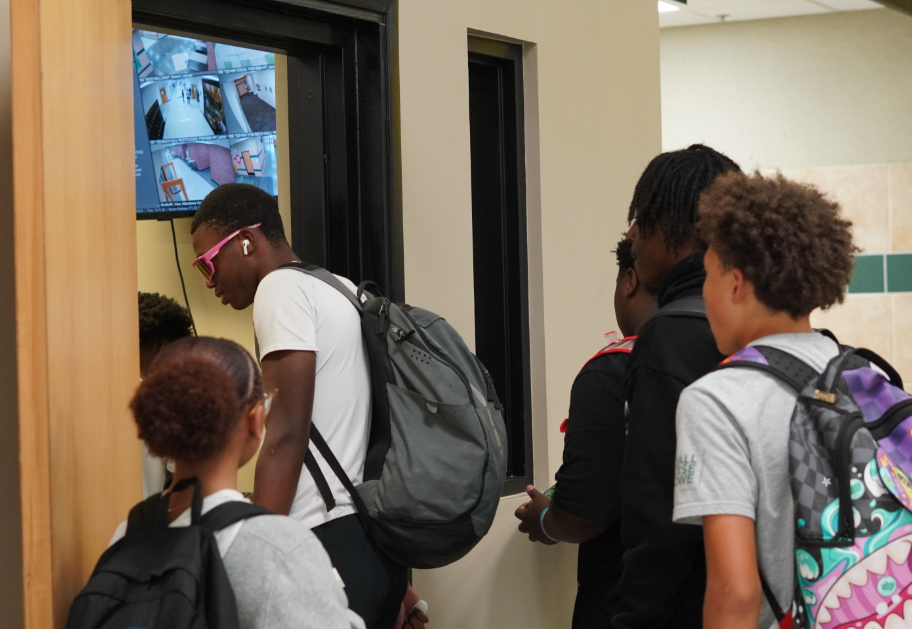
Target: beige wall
592 124
10 528
825 99
820 90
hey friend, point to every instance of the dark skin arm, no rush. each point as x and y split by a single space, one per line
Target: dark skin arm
281 458
560 524
733 591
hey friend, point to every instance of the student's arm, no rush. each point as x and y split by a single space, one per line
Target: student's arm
589 480
733 592
281 458
559 523
715 486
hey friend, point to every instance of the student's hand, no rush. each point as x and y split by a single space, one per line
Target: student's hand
529 515
414 620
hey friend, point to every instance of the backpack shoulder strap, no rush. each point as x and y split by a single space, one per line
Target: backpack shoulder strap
230 512
150 513
330 458
792 370
689 307
322 274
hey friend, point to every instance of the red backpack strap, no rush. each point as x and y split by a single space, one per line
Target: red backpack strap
623 346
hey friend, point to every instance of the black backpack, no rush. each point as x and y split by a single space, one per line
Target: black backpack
159 577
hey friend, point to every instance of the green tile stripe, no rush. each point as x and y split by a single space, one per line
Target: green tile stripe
879 273
899 272
869 275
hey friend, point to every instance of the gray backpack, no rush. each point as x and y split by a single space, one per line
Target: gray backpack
436 456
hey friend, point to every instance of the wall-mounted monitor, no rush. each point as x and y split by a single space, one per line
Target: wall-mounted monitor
205 115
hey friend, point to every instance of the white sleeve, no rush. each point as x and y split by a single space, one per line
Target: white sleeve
713 473
283 316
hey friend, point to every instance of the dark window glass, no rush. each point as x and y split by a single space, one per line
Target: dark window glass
499 240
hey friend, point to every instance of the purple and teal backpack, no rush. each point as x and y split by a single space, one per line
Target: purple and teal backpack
850 461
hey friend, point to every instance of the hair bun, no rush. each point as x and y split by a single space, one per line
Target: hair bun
186 407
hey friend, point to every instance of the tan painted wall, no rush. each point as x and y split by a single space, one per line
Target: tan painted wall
10 527
802 92
592 124
825 99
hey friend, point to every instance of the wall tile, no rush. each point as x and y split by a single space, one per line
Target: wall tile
899 273
902 321
862 321
901 206
869 275
862 193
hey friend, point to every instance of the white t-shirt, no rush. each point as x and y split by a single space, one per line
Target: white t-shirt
295 311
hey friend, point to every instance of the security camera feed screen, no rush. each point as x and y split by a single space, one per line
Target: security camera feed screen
205 114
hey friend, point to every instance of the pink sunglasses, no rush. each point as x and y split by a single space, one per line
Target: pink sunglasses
204 265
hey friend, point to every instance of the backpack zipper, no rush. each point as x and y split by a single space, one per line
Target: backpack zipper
846 533
892 418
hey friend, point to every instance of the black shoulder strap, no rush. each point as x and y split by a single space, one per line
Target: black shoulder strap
310 462
322 274
340 473
230 512
153 511
793 371
692 307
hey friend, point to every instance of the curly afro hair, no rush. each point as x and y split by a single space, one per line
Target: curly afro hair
190 402
668 191
624 254
785 237
162 320
233 206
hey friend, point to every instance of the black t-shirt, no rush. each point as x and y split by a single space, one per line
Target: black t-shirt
589 484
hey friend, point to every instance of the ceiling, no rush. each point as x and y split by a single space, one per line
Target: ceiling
709 11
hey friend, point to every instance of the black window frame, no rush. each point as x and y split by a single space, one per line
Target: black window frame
503 63
340 156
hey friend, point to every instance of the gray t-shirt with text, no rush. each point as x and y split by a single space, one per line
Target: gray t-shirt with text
732 456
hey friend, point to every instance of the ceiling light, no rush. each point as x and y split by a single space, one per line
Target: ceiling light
665 7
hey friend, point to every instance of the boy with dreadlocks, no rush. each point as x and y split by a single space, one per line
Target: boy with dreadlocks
664 573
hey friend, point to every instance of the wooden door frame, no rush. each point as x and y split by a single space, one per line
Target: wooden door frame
76 288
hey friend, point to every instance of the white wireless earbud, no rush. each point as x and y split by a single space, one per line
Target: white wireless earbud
246 243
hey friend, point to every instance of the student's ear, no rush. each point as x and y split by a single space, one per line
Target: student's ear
256 421
740 287
248 241
631 282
